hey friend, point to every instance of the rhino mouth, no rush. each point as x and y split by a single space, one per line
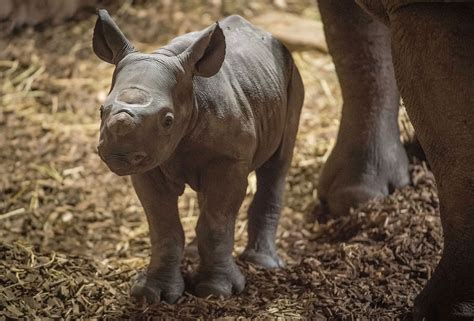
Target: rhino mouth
122 166
124 171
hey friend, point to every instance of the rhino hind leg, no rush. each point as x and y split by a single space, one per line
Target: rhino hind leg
368 160
264 214
265 209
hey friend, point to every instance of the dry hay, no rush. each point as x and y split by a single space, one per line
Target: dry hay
73 234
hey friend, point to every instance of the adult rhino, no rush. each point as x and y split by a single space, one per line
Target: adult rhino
427 49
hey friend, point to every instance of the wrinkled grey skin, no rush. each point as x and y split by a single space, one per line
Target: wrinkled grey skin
205 110
426 48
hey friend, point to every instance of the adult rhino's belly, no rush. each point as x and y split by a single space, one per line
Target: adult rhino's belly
381 9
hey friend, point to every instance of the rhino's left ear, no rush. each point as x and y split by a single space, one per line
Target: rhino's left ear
109 43
206 54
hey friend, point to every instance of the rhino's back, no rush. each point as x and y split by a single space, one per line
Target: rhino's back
240 34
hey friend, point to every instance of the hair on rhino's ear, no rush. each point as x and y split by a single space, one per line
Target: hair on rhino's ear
108 42
206 54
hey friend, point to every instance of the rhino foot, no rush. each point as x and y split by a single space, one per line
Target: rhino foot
262 259
219 281
153 288
448 295
354 175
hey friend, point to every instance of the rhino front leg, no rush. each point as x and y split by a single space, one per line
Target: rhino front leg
223 187
368 160
433 52
162 279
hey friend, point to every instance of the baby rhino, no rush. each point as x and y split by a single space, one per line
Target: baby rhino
205 110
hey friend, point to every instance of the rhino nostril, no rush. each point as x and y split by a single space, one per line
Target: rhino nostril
121 123
137 158
126 111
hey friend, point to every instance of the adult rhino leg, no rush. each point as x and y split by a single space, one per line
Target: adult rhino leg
433 51
368 160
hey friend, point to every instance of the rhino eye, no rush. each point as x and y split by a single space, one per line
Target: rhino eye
101 110
168 120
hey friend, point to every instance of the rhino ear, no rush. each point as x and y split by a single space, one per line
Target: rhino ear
206 54
108 42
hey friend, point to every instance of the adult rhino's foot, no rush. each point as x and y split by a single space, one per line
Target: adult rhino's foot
154 287
267 259
449 294
219 280
357 173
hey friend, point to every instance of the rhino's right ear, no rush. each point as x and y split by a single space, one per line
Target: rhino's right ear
109 43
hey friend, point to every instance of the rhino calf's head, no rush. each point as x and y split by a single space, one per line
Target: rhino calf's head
150 104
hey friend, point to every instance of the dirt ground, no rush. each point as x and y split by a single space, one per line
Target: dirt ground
73 235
